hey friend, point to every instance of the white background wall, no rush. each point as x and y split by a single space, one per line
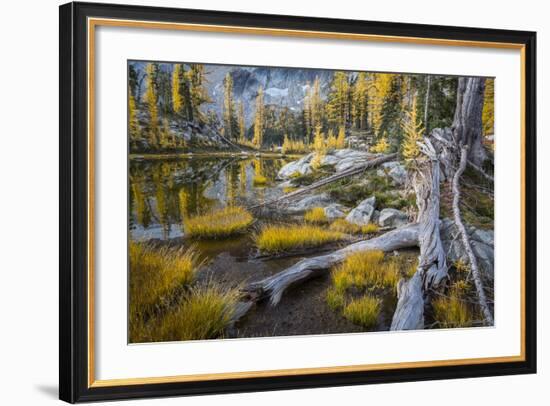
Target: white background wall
29 202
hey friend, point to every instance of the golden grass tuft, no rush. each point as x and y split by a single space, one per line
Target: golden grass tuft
204 313
218 224
282 238
363 311
316 216
461 267
156 272
156 275
335 298
259 180
451 311
365 268
343 226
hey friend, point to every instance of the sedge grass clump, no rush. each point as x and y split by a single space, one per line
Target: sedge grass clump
451 311
335 298
316 216
369 228
156 277
343 226
366 269
363 311
205 312
218 224
407 264
156 272
275 238
461 267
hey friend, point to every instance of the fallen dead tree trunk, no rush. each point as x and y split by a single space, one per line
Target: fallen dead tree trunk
272 288
330 179
432 268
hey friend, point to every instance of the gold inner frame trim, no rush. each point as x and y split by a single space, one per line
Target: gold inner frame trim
94 22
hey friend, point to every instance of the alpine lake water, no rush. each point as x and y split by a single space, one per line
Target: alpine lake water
162 191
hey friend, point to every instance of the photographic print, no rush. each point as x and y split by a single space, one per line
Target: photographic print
274 201
225 188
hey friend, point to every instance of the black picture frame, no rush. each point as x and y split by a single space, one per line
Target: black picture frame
73 283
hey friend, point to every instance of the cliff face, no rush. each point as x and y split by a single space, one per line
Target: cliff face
285 87
282 86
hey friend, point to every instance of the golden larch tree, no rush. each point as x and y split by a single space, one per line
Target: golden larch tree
242 123
338 105
360 101
259 120
229 122
413 132
331 139
381 85
341 139
133 123
382 146
319 146
316 105
151 100
177 99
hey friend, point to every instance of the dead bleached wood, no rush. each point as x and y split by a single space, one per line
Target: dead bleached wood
432 268
467 121
409 314
330 179
273 287
444 137
466 239
462 146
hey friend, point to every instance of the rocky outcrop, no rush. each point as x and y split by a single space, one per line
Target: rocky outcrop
344 159
308 203
392 218
363 213
335 211
301 167
483 245
395 170
341 159
190 132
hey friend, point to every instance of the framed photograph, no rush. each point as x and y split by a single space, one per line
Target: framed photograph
258 202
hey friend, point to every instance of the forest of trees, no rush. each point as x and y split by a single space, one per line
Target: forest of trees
392 110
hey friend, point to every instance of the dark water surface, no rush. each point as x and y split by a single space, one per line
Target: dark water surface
163 191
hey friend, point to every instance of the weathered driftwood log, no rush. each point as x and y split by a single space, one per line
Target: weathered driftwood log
482 299
432 268
330 179
273 287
